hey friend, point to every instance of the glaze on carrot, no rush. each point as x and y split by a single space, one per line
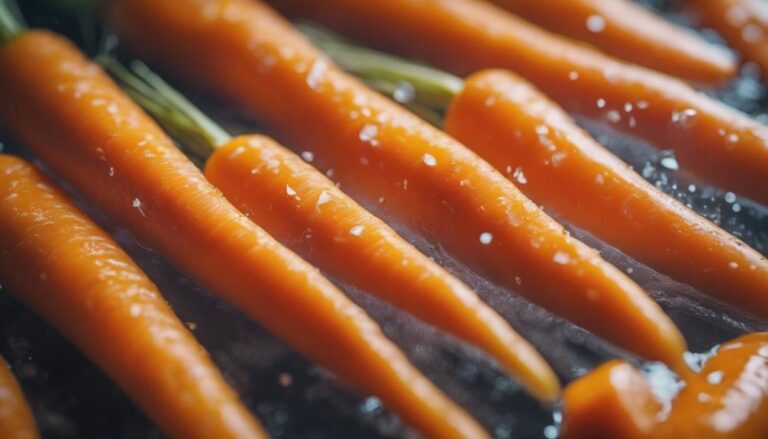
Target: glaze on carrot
613 401
16 419
299 206
729 397
628 31
742 23
67 270
383 155
105 146
558 165
710 139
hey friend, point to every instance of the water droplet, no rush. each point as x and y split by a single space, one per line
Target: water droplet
368 134
733 265
600 103
573 75
322 199
716 377
404 92
691 188
519 176
486 238
429 160
596 23
729 197
357 230
670 162
319 67
136 203
290 191
308 156
561 258
736 207
613 116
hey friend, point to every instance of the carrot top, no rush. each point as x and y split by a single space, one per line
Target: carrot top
11 23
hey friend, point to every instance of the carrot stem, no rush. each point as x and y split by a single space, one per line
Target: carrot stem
11 23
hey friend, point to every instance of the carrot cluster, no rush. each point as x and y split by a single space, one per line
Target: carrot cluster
259 222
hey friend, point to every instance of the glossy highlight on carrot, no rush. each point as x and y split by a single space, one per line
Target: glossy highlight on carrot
105 146
557 164
717 143
742 23
16 419
68 271
299 206
628 31
384 156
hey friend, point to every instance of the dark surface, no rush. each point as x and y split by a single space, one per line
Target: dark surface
72 398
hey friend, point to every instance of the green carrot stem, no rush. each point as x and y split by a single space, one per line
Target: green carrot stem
433 88
195 131
11 23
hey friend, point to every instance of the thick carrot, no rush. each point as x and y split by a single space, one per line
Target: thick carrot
303 209
16 419
729 398
102 143
613 401
384 155
630 32
66 269
557 164
742 23
712 140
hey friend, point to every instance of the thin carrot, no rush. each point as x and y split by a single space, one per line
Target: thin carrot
299 206
710 139
16 419
613 401
742 23
66 269
101 142
385 156
729 398
626 30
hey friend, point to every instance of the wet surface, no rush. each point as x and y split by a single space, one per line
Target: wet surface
295 399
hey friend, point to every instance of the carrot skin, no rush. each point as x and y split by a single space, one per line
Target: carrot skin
558 165
717 143
728 399
16 418
300 207
103 144
630 32
612 402
68 271
741 23
382 154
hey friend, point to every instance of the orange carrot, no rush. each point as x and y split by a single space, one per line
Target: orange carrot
742 23
557 164
628 31
16 419
382 154
303 209
712 140
63 267
102 143
729 398
612 402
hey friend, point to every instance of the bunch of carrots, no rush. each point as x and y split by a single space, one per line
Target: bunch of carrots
259 222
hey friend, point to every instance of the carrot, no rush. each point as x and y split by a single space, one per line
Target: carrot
710 139
628 31
104 145
57 262
384 155
613 401
16 419
729 398
742 23
303 209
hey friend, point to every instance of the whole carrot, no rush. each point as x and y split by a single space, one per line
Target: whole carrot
115 154
385 156
628 31
16 419
710 139
742 23
67 270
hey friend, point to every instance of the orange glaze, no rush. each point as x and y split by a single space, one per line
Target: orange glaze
710 139
67 270
625 30
557 164
16 419
302 208
103 144
612 402
742 23
383 155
